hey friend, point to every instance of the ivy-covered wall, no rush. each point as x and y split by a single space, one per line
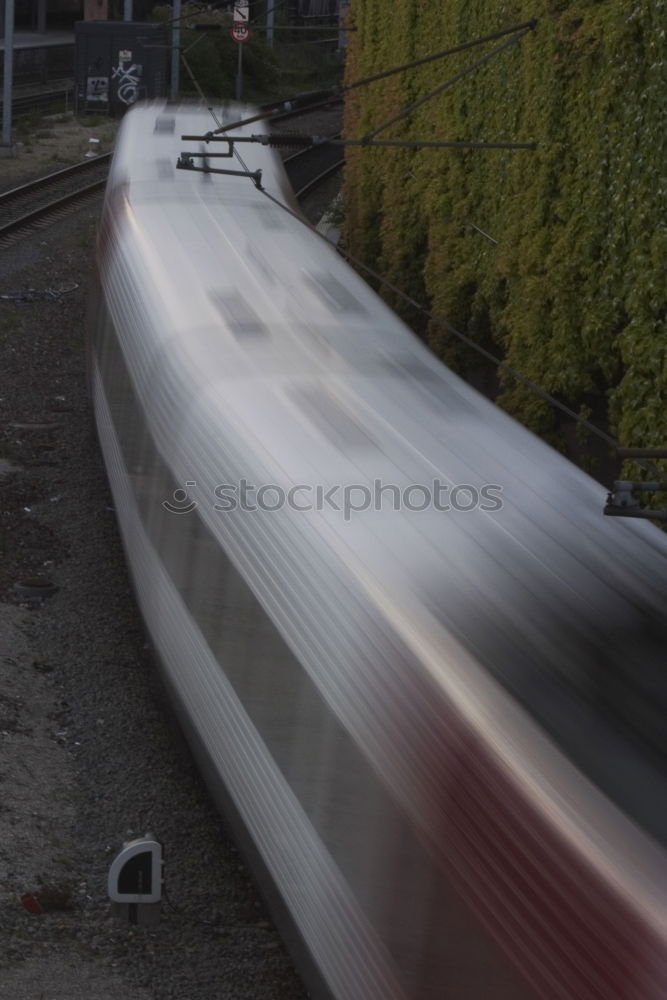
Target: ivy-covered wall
573 292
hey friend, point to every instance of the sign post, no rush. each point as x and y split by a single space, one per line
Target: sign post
175 49
269 24
240 33
7 148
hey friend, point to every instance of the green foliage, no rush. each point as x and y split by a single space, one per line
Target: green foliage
573 293
210 57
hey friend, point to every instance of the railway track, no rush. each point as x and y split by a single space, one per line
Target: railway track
310 167
43 201
25 104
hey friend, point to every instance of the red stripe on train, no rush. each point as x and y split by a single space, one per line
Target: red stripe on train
568 931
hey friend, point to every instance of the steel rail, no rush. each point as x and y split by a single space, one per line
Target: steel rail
46 214
27 103
308 188
303 187
32 187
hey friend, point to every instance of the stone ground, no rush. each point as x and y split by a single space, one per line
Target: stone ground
44 145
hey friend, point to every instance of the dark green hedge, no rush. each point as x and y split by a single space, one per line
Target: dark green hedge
573 294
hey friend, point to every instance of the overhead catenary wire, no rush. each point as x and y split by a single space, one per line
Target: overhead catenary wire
517 31
517 376
269 10
301 139
199 90
405 112
255 22
202 8
302 27
525 25
310 41
547 397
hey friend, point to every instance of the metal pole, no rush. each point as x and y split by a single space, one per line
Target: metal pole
41 16
239 73
342 38
175 49
8 75
641 452
270 14
127 10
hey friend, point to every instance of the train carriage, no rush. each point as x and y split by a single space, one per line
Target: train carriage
439 723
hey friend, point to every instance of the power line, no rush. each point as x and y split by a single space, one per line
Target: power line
517 31
405 112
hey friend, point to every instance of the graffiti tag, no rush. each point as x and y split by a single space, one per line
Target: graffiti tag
127 77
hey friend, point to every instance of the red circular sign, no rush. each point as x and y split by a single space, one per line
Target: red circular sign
240 33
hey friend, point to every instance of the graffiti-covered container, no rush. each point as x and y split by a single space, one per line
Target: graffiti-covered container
118 63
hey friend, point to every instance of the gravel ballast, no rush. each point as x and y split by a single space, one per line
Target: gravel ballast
90 756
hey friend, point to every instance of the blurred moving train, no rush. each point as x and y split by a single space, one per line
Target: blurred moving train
442 730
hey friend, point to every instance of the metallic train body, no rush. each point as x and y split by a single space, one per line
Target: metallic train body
442 730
